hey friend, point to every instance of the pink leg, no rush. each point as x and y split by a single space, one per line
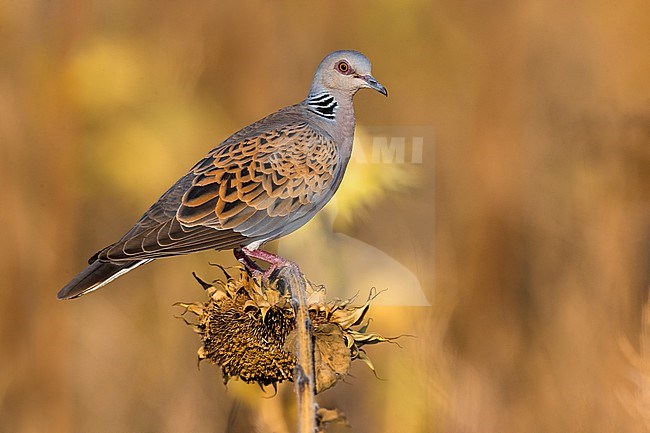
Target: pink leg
273 260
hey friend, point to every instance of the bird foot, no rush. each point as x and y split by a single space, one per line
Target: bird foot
246 257
248 263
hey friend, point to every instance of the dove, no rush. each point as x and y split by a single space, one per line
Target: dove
261 183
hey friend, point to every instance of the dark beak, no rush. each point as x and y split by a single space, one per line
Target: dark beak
374 84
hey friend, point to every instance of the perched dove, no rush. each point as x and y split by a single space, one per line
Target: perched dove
263 182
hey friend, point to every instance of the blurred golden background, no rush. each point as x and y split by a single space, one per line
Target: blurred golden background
527 225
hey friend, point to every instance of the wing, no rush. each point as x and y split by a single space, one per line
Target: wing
262 181
158 233
251 187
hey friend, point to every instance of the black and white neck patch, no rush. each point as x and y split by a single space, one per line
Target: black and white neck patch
322 104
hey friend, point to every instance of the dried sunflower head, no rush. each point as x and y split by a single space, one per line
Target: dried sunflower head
247 328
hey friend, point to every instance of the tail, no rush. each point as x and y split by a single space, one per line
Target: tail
96 275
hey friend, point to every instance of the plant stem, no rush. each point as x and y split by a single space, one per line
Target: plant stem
304 371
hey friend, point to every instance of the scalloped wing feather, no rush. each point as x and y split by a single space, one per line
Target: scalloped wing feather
277 174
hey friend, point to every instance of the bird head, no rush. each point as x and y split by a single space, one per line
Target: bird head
346 72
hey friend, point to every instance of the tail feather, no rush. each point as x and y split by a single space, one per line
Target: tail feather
96 275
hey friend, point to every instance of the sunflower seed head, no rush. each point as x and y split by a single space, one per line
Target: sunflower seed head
247 328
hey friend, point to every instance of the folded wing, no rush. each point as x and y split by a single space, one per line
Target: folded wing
251 187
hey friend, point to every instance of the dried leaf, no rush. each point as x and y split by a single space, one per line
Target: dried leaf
330 416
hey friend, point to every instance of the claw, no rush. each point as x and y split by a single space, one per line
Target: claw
246 256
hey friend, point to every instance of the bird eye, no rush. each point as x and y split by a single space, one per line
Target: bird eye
343 67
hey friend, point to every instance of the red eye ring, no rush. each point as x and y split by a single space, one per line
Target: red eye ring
344 68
